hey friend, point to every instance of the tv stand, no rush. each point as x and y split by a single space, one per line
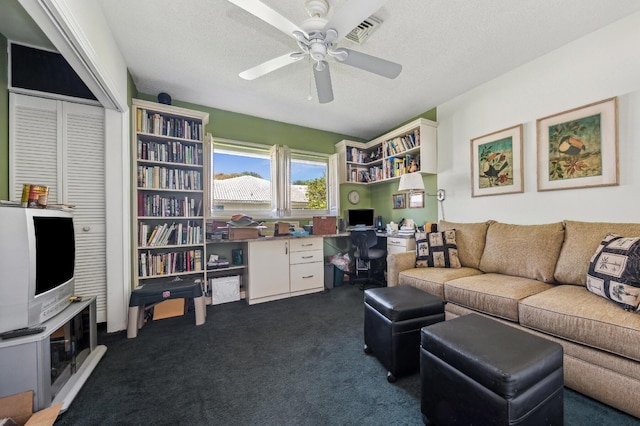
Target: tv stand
56 363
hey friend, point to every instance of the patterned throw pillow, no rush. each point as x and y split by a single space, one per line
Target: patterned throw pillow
614 271
437 250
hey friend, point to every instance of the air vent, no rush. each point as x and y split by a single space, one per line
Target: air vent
362 32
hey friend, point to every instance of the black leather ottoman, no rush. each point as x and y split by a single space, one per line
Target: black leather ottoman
393 317
475 370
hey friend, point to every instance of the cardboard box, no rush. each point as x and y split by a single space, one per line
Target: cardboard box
243 233
324 225
168 308
281 228
19 408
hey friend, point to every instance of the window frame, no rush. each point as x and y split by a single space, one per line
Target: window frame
281 157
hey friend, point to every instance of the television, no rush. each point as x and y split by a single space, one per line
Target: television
357 218
37 264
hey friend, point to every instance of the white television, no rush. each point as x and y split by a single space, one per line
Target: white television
37 264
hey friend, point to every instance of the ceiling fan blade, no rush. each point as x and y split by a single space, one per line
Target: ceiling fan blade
268 15
271 65
368 63
323 82
351 14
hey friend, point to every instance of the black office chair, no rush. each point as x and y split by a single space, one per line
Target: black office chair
368 258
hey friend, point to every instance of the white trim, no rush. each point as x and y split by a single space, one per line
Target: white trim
57 21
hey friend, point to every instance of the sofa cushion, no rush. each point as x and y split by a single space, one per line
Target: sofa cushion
528 251
493 294
614 271
573 313
580 242
470 238
431 280
437 250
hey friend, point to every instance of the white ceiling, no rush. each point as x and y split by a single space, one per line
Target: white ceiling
194 50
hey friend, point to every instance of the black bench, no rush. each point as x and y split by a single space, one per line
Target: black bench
156 292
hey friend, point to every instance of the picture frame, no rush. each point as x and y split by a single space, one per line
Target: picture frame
496 163
398 201
416 200
578 148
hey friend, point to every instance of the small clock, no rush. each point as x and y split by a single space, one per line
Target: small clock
354 197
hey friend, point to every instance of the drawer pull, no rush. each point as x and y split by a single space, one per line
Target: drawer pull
307 245
307 257
308 276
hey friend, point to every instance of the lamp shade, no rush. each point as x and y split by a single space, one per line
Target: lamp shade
411 182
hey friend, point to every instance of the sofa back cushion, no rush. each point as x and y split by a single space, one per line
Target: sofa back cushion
580 243
529 251
470 239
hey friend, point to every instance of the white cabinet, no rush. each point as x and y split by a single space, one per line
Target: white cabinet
399 245
306 266
62 145
268 270
390 155
284 267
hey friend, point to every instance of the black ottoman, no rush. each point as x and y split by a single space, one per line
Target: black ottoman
393 317
475 370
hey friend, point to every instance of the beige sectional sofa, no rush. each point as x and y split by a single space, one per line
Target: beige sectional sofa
534 277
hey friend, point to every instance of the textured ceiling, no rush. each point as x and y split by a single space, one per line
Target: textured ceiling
194 50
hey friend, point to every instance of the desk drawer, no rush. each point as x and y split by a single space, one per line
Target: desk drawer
307 276
306 256
305 244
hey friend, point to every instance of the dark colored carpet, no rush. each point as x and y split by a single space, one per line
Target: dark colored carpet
291 362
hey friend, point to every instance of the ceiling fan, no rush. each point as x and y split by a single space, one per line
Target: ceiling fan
317 37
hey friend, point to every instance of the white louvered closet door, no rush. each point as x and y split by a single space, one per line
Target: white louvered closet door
61 144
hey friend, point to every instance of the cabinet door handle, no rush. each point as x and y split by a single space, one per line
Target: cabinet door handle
286 248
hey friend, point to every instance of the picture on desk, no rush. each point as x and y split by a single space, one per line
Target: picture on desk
398 201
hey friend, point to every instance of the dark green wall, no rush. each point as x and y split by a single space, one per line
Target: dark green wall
4 121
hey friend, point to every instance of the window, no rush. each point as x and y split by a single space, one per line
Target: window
271 181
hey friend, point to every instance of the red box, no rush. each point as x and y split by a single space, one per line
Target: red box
324 225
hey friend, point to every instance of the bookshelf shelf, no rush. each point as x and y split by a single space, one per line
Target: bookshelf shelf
169 192
390 155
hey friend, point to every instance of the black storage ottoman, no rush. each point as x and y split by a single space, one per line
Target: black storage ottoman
393 317
475 370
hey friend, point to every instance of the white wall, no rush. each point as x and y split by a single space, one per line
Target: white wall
601 65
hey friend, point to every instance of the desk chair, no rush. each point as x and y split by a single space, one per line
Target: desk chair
374 258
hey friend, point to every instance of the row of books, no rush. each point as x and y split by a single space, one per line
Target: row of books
401 143
156 205
158 264
372 174
167 178
170 152
176 127
395 167
165 234
357 155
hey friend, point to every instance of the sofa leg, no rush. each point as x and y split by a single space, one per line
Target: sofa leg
367 349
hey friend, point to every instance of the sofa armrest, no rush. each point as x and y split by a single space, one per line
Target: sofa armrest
397 263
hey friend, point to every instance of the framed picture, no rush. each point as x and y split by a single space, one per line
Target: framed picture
416 200
398 201
579 148
496 163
